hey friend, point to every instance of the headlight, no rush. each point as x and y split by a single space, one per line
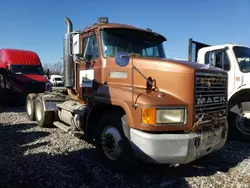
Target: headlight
160 116
171 116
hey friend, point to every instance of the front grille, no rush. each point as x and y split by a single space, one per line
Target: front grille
210 99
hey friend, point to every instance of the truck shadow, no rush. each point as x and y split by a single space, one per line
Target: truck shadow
27 159
5 107
14 109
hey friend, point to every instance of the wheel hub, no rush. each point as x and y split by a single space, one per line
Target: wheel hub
110 143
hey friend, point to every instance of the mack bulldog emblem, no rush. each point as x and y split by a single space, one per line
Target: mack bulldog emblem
210 100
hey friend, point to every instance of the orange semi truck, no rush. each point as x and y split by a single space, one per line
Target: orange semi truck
21 73
132 102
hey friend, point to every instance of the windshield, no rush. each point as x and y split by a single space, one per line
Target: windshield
58 79
145 44
26 69
243 57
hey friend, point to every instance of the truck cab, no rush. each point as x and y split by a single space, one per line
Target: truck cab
235 60
21 74
132 102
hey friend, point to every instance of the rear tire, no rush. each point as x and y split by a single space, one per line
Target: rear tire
30 106
44 119
113 143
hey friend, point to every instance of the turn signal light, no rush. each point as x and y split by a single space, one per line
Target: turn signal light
148 115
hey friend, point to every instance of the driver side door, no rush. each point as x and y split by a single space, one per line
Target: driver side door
223 64
90 67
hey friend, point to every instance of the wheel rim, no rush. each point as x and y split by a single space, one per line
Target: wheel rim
39 112
110 143
29 109
243 124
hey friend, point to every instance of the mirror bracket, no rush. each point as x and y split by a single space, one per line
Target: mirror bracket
122 60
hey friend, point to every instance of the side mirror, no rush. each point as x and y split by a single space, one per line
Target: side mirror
7 71
122 59
76 49
48 74
7 74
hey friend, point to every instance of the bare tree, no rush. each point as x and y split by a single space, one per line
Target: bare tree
56 68
46 66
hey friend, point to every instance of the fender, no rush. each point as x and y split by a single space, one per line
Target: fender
239 89
239 93
108 101
122 96
120 103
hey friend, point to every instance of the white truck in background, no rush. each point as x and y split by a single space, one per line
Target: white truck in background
56 80
235 59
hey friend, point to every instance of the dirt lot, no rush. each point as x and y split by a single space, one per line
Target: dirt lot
35 157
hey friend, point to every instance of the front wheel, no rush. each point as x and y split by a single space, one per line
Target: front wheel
240 126
113 143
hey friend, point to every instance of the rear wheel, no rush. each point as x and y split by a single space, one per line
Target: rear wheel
30 106
113 142
44 119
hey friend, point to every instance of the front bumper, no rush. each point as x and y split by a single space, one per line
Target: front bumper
176 148
58 84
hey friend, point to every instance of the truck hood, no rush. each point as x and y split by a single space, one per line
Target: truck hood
173 77
193 65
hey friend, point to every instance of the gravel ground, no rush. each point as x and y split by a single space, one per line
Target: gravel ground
35 157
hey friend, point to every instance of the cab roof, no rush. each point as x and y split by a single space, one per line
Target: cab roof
216 47
18 56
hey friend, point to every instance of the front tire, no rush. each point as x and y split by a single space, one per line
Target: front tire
113 143
44 119
239 127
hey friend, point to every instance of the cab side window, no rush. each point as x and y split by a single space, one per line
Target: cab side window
150 52
219 60
90 48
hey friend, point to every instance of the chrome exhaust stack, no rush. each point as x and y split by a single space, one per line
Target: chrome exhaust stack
68 59
68 63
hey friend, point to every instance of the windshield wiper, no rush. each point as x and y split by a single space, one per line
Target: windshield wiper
134 54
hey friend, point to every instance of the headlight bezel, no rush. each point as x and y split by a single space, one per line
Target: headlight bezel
153 112
183 122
